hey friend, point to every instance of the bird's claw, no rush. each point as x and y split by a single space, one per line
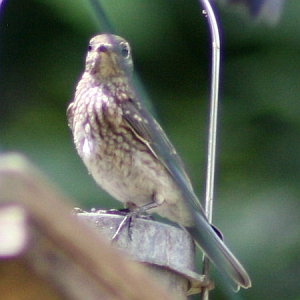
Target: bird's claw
127 221
130 216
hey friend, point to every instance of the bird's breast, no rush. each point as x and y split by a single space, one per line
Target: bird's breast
119 161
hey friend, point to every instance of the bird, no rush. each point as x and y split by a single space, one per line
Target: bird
129 155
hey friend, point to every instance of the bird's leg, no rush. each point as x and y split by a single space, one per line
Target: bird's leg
133 212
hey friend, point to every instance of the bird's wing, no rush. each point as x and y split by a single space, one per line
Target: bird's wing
70 115
149 131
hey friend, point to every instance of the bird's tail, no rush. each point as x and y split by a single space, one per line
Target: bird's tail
212 245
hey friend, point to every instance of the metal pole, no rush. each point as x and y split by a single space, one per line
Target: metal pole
212 134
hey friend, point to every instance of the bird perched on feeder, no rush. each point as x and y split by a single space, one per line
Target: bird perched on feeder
130 156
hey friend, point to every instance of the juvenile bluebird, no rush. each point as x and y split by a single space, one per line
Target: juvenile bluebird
130 156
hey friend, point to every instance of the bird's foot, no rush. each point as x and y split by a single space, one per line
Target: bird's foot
130 215
126 222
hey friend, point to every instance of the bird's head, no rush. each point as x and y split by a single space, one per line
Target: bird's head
108 56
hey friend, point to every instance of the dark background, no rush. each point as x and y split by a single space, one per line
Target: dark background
43 46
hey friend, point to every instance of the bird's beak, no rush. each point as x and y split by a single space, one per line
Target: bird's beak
103 62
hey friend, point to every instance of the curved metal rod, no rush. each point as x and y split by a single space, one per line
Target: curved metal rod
213 124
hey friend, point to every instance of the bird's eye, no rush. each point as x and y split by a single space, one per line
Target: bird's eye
90 48
125 51
102 48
